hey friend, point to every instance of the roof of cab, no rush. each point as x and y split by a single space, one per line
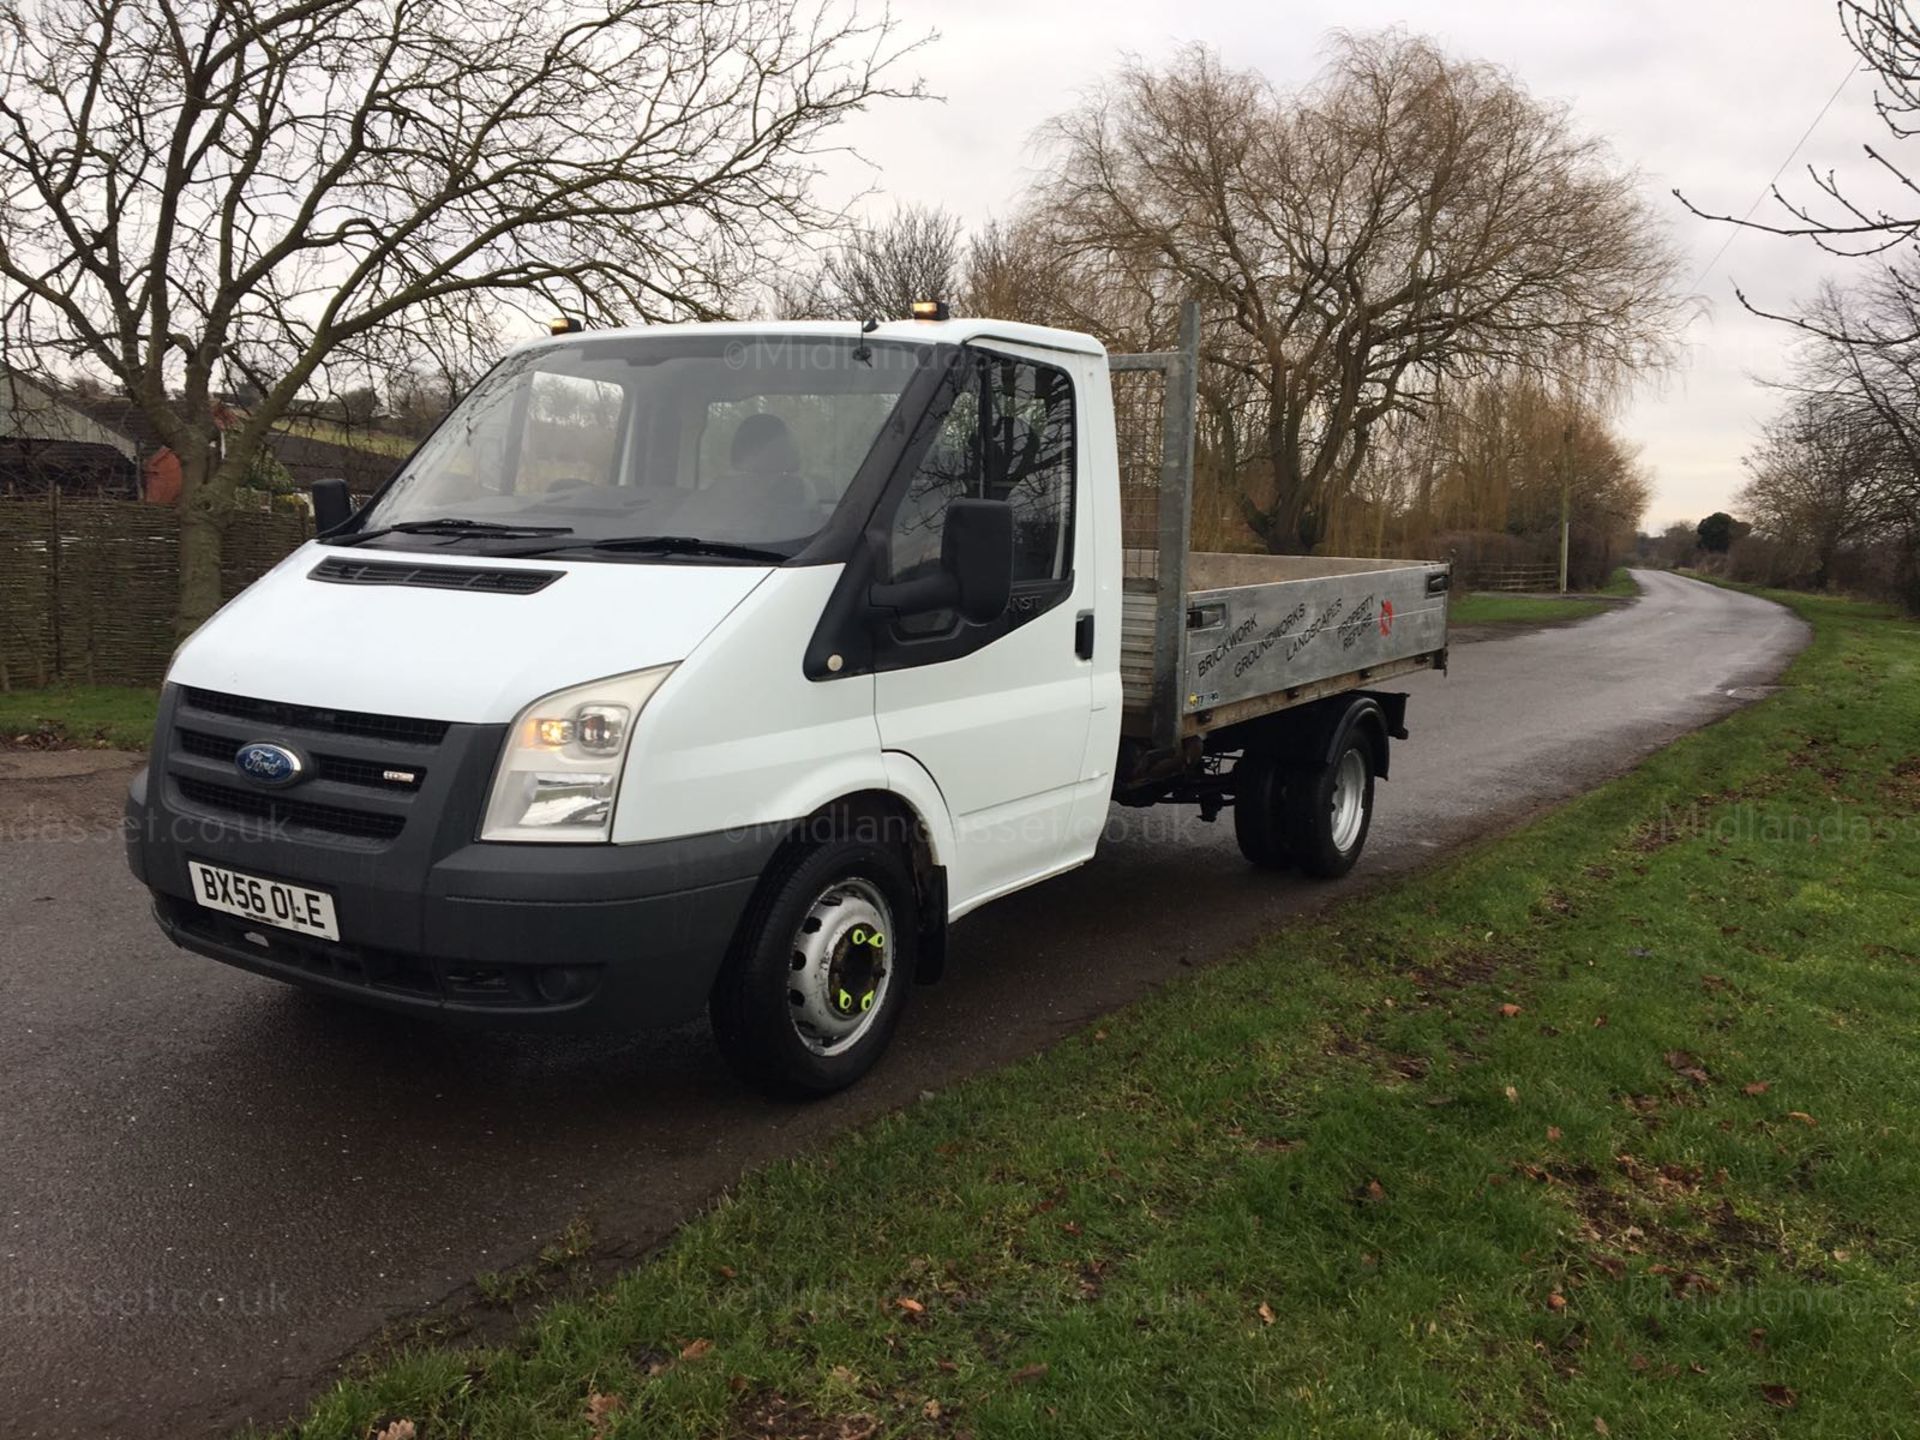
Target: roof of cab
927 332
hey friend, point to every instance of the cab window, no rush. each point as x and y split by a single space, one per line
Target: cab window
1008 435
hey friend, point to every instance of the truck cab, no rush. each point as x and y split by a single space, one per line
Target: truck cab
689 668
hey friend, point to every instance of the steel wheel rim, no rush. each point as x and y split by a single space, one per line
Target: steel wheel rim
840 967
1349 803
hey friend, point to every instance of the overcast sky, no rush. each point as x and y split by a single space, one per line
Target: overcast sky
1707 95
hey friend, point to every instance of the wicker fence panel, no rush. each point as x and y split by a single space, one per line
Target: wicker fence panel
26 618
87 587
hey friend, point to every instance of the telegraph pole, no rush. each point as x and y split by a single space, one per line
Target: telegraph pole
1566 496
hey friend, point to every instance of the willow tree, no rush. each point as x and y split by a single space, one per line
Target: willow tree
1407 220
258 192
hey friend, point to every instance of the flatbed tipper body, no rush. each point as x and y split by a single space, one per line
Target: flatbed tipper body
1209 640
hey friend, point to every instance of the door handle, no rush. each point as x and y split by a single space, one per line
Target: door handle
1083 635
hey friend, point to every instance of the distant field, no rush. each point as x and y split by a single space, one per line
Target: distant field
379 442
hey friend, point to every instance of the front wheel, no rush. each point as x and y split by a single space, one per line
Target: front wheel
814 986
1328 809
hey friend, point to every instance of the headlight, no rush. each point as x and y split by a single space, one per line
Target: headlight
560 771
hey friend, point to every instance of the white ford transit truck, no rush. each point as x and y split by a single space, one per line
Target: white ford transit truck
723 667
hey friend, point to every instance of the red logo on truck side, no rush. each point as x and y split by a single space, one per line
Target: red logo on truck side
1386 617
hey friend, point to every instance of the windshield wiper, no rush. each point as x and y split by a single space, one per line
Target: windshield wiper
664 545
451 525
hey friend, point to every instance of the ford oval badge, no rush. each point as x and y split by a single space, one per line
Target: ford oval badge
268 764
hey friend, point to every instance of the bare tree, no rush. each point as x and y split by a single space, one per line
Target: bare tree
1408 219
258 191
1819 482
879 270
1493 464
1011 273
1886 37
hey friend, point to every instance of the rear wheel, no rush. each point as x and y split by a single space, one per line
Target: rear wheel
819 974
1327 810
1259 787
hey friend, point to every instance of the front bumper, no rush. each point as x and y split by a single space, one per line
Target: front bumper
553 936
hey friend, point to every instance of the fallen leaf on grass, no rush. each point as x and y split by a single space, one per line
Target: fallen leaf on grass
600 1412
947 1367
1556 1302
1510 1010
696 1349
1638 1362
1600 1022
1553 1132
1803 1118
1376 1191
1756 1087
910 1305
844 1375
1265 1312
1785 1396
931 1409
1028 1372
1600 1426
1513 1096
1685 1066
398 1430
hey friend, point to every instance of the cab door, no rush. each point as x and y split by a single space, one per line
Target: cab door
998 714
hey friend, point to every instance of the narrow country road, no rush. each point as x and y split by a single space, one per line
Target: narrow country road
214 1187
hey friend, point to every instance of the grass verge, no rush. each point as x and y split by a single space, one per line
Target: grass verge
118 717
1608 1127
1620 583
1479 608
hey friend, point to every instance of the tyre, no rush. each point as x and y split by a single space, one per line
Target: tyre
820 972
1259 787
1327 810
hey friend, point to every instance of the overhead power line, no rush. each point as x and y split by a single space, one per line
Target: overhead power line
1766 190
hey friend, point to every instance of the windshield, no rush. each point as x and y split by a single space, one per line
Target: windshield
743 440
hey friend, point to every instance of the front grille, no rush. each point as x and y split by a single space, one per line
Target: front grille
345 769
310 717
280 810
341 571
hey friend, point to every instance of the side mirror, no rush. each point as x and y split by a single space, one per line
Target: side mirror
332 505
976 567
977 549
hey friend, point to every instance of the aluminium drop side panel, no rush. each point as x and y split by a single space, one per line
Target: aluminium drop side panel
1260 647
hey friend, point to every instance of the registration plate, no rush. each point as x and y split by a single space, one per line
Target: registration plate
271 902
